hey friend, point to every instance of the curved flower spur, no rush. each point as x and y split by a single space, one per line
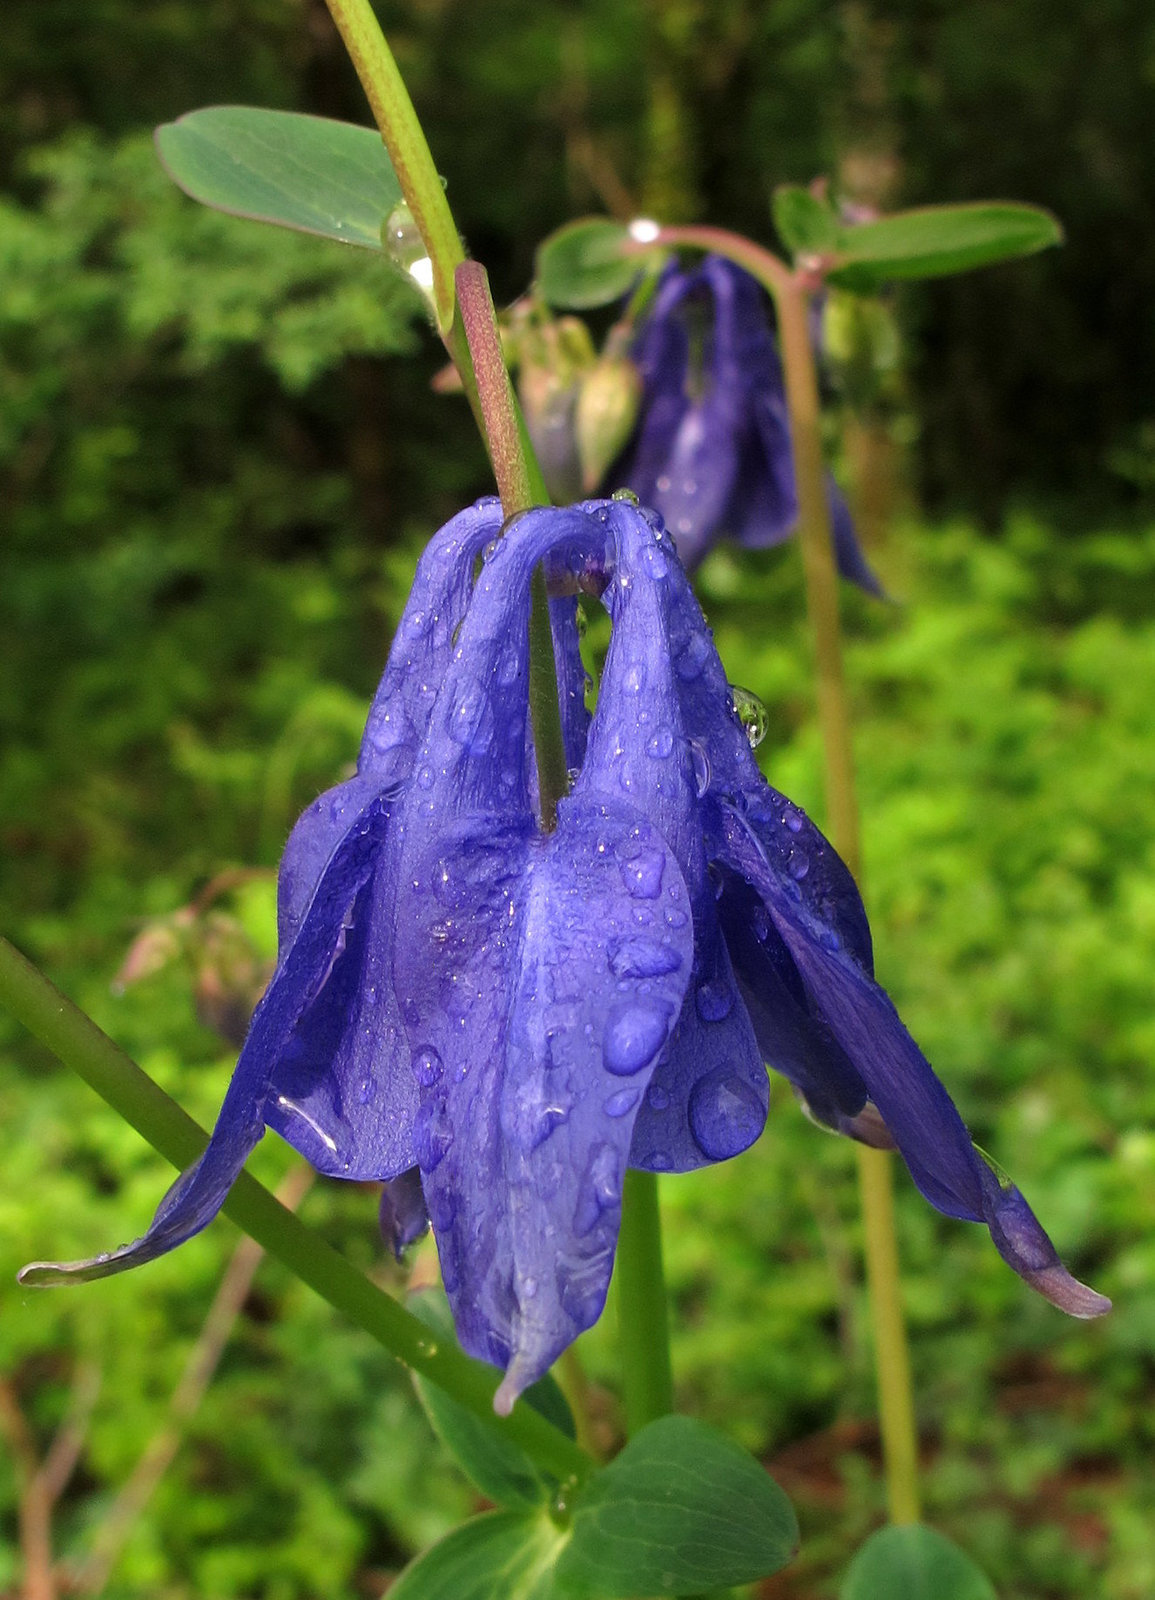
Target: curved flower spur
519 1016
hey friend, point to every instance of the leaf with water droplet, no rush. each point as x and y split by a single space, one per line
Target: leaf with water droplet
310 174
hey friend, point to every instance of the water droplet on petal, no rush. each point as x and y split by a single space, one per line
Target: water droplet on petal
634 679
659 1161
425 776
726 1114
792 819
661 744
701 763
657 1096
619 1104
471 719
693 657
798 866
760 922
752 714
365 1092
633 1036
626 496
427 1067
601 1189
642 873
637 957
714 999
432 1134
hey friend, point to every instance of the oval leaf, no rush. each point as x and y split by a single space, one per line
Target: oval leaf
681 1510
913 1563
307 173
934 241
499 1468
805 224
499 1556
587 263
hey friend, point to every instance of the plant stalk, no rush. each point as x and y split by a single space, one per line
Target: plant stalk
876 1197
77 1041
505 438
407 146
790 294
643 1314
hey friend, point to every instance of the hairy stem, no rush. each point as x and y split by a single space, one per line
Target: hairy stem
406 143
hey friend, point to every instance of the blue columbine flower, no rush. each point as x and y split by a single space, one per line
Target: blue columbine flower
711 450
496 1022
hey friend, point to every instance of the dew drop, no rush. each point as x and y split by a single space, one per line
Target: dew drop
792 819
714 999
365 1091
634 679
432 1134
701 763
637 957
427 1066
693 658
425 776
659 1162
798 866
626 497
661 744
601 1189
624 1101
726 1114
658 1099
633 1035
752 714
471 719
642 874
760 922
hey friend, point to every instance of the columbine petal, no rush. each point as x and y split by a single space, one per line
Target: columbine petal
326 1041
712 450
915 1107
532 1049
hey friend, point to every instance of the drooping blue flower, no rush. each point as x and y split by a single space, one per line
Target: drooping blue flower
711 450
496 1021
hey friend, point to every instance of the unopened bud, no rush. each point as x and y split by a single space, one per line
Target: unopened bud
607 408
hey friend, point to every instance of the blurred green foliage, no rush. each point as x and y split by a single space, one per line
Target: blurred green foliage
219 455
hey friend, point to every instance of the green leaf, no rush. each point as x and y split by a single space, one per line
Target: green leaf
934 241
500 1469
805 224
499 1556
586 264
307 173
913 1563
682 1509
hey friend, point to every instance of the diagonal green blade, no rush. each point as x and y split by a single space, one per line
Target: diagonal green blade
308 173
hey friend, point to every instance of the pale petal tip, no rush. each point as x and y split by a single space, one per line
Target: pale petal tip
1058 1286
506 1396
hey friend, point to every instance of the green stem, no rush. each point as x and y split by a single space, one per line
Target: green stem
643 1315
81 1045
513 465
407 146
790 294
891 1356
